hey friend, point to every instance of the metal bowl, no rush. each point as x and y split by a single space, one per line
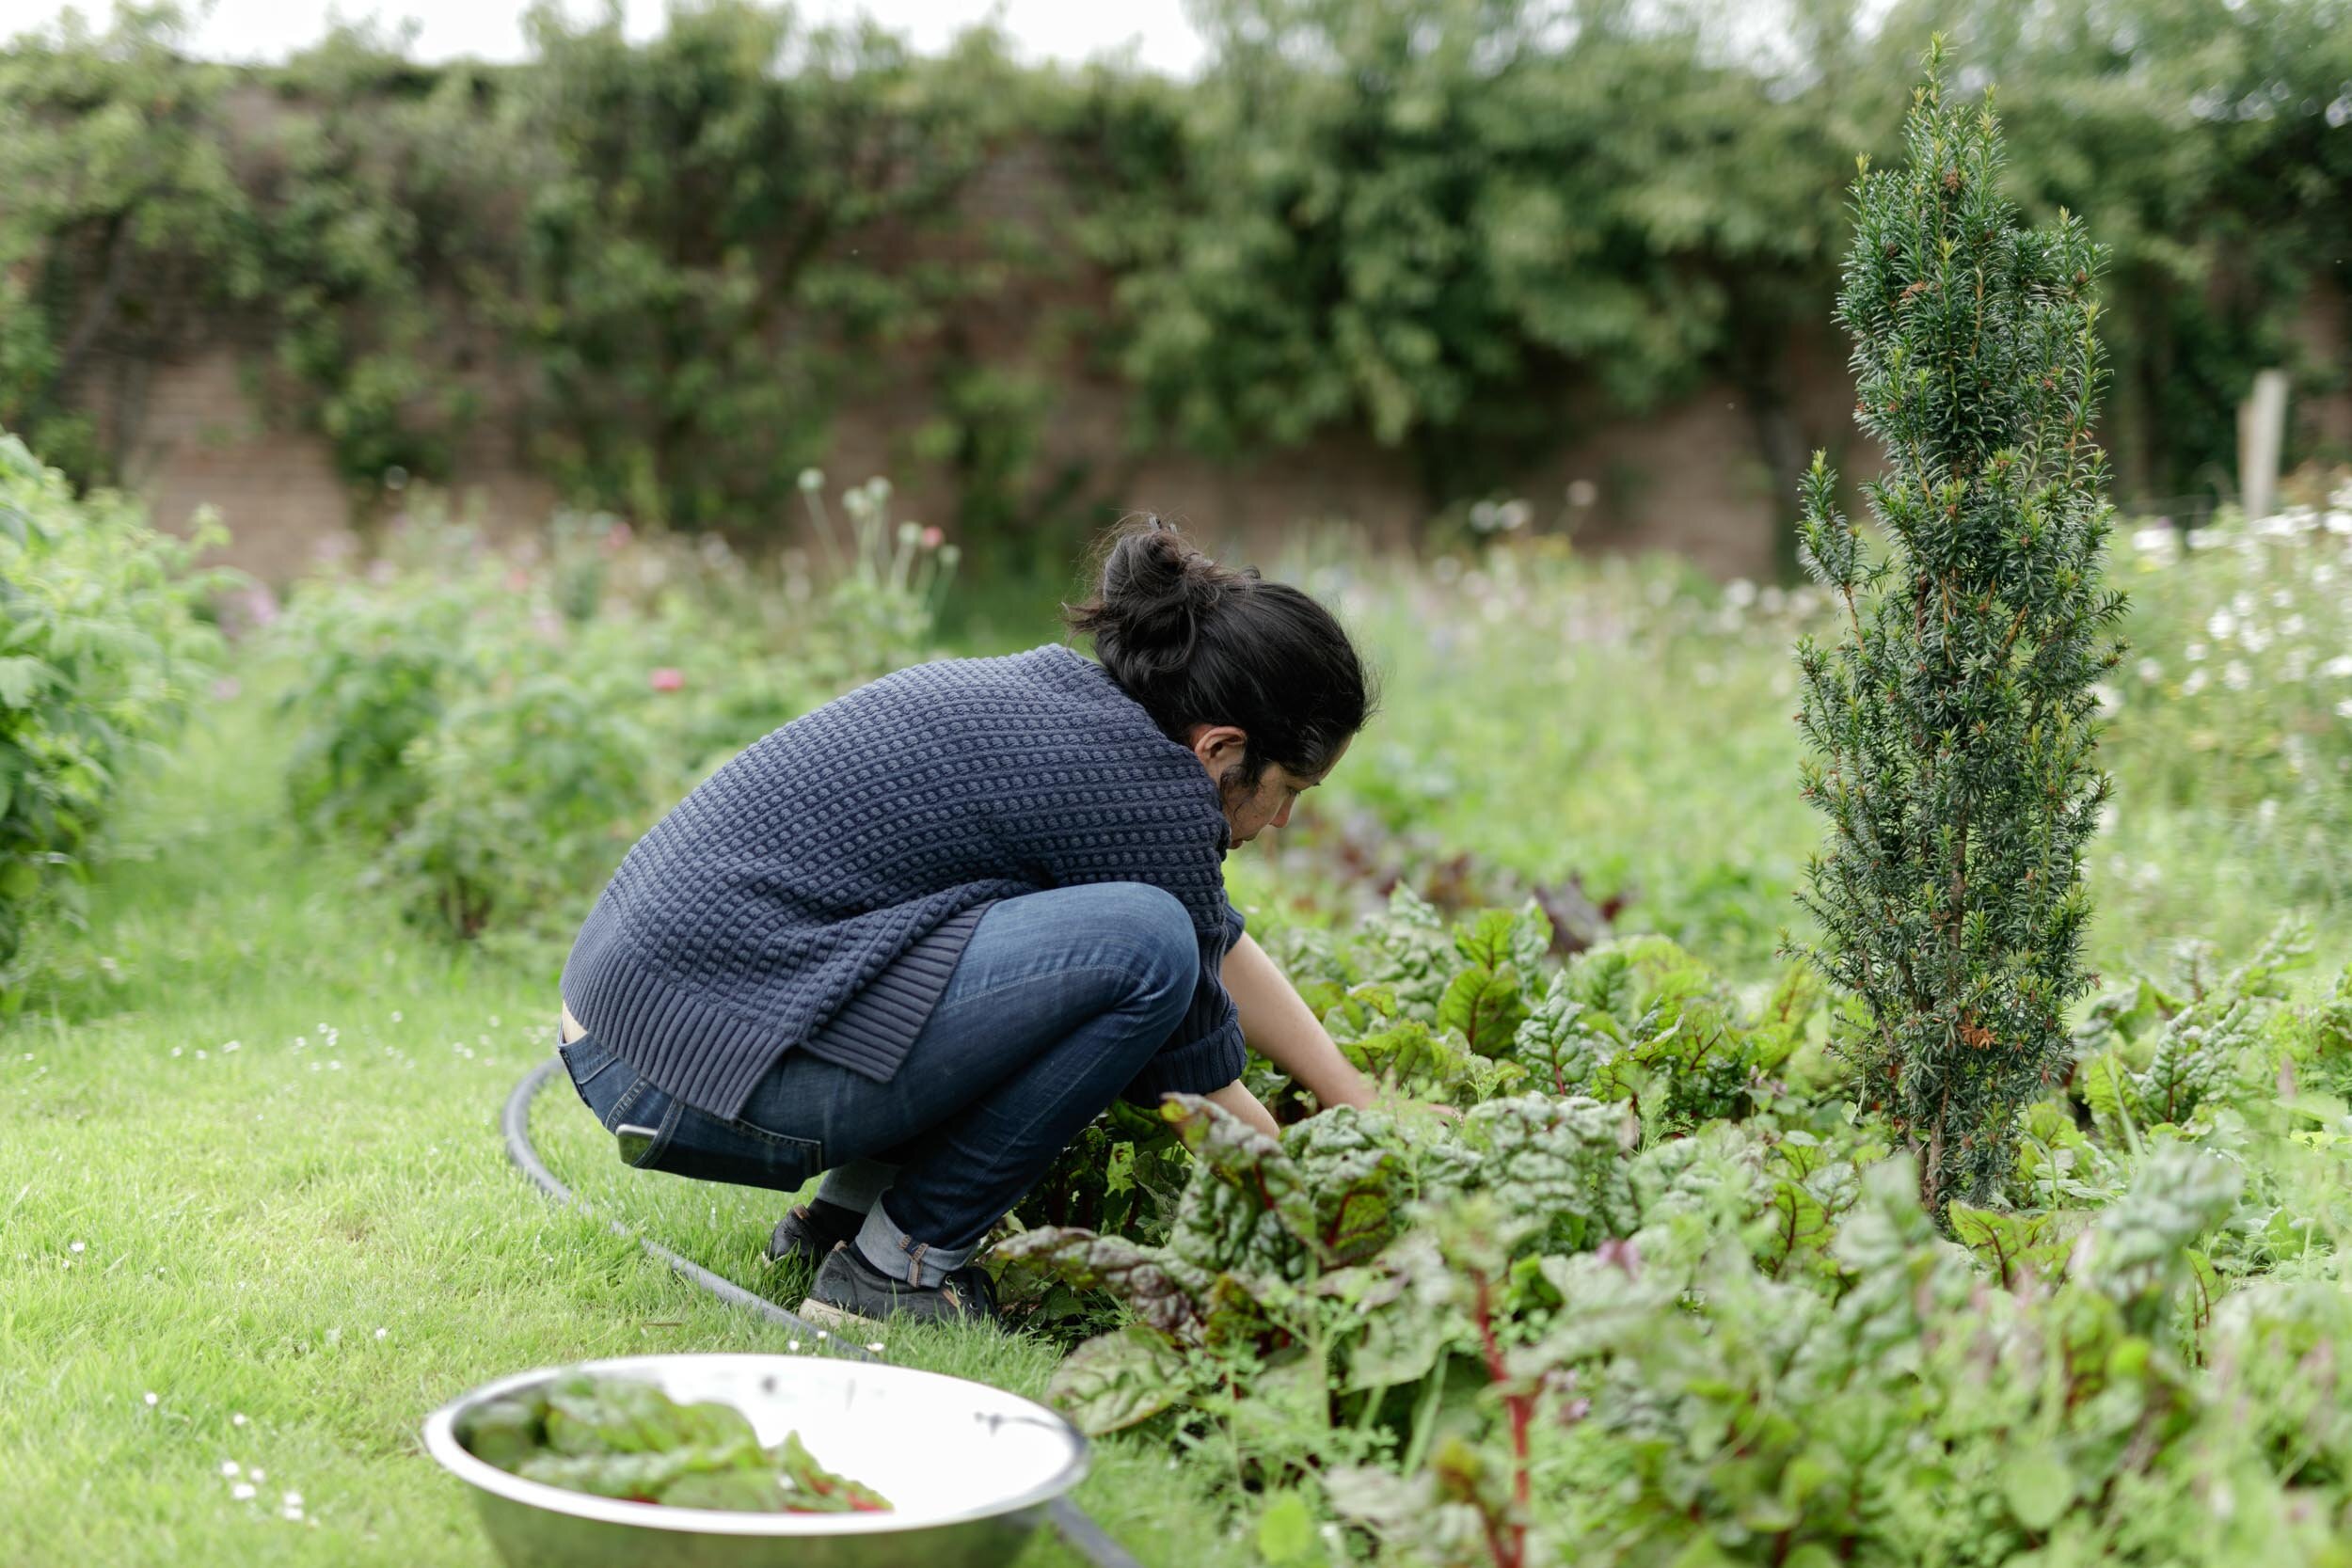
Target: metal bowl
967 1468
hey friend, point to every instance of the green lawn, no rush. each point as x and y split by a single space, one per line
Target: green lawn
257 1212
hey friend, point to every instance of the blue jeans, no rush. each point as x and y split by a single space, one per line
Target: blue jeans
1056 1004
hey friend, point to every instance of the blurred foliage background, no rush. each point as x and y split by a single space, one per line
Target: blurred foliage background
1458 226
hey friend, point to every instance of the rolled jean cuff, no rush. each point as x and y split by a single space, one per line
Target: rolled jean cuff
856 1185
901 1257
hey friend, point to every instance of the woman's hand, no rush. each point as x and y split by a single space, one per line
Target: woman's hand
1279 1026
1385 1098
1235 1097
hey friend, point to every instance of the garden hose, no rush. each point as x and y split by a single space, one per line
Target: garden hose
1088 1538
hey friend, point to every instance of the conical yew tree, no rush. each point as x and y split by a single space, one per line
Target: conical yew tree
1952 729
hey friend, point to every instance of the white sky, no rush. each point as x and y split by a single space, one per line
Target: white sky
254 30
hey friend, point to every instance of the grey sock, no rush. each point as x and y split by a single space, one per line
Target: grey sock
856 1185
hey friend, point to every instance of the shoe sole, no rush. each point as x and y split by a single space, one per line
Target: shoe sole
826 1315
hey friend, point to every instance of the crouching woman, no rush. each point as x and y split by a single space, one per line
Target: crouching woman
918 937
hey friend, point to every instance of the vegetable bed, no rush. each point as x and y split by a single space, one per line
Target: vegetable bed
1656 1299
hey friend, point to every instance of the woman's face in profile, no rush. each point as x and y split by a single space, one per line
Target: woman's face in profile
1250 812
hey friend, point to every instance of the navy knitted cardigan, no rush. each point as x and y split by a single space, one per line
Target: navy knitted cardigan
815 890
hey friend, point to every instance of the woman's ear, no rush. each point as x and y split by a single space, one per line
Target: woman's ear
1220 746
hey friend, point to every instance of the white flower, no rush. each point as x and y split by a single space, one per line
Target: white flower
1740 592
75 1247
2109 699
2344 710
792 1344
150 1399
258 1474
230 1468
2236 676
876 1345
2338 668
2151 671
243 1490
2219 625
293 1500
2291 627
2156 540
237 1419
233 1045
381 1332
395 1015
2195 682
2194 651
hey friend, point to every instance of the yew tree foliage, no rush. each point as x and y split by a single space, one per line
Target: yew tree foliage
1953 725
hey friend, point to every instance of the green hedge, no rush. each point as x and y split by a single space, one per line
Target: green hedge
1458 226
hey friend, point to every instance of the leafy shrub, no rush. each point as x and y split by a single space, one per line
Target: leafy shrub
500 727
102 644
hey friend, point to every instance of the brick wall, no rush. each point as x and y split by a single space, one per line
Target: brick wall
1688 478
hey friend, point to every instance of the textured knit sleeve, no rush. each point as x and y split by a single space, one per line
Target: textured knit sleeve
1206 1052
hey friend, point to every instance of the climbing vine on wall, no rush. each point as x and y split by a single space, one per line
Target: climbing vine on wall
656 268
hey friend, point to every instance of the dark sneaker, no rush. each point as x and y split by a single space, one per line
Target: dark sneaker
799 1237
852 1294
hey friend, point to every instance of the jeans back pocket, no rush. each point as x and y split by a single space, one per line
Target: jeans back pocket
590 1065
653 1129
708 1147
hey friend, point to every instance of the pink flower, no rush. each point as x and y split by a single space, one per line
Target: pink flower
933 537
667 679
518 580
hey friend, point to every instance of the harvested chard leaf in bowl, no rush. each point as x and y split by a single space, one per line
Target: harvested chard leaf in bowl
621 1438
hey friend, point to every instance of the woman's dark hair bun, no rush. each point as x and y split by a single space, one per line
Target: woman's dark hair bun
1157 591
1197 643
